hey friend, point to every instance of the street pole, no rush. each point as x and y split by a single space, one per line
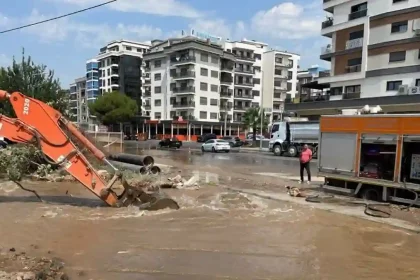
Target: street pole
225 116
261 108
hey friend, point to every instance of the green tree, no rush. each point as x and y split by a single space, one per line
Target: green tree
252 119
33 80
113 108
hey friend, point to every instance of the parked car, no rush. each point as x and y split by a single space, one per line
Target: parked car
203 138
216 145
170 143
233 141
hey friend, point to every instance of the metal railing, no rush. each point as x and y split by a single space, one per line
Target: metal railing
183 104
358 14
247 58
354 68
188 74
226 81
243 96
351 95
226 93
184 59
355 43
244 84
241 70
147 94
183 90
329 22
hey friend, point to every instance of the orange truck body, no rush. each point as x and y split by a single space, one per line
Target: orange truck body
399 125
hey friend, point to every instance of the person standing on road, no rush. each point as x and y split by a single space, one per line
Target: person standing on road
305 161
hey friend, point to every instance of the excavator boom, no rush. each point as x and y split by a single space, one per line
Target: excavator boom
38 123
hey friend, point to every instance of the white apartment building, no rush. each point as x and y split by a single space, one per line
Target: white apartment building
190 78
78 101
121 68
374 55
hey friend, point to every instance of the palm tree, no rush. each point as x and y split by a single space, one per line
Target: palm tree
252 119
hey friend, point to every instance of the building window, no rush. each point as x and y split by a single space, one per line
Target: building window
108 72
398 1
204 72
214 88
204 57
158 76
353 89
397 56
213 116
203 100
214 59
393 85
256 93
158 102
336 91
356 35
158 115
214 74
158 63
257 56
418 83
128 48
399 27
203 86
213 102
256 81
139 50
203 115
158 90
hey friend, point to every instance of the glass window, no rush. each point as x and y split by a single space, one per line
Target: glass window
393 85
158 63
203 115
213 116
203 86
399 27
158 102
204 57
214 88
158 90
214 59
214 74
397 56
203 100
158 76
213 102
204 72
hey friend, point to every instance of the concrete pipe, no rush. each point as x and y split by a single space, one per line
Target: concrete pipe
133 159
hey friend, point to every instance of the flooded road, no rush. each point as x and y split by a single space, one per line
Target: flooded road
217 234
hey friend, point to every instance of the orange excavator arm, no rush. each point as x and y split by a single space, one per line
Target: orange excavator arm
36 121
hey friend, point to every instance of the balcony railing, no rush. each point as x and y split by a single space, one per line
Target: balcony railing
358 14
183 90
351 95
222 119
226 68
189 74
183 104
147 107
248 84
226 81
241 108
241 70
280 85
147 69
147 94
185 59
224 106
326 50
226 93
355 43
244 96
314 98
329 22
354 68
243 57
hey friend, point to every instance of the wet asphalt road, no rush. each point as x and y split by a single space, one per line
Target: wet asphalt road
259 162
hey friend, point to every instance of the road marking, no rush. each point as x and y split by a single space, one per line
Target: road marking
289 176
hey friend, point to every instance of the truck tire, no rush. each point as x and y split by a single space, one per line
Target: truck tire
277 150
292 151
373 193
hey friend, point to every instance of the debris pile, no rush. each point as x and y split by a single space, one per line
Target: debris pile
19 266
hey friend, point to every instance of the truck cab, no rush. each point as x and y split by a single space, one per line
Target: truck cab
289 136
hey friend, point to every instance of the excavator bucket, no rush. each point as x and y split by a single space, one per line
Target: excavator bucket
141 195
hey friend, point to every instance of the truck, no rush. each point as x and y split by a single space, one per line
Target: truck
376 157
289 136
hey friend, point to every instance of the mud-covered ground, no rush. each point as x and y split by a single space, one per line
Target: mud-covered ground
222 231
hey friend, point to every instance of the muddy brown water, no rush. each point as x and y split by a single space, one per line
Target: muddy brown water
217 234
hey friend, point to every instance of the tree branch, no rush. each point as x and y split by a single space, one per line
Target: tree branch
28 190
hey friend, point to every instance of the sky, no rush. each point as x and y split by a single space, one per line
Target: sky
64 45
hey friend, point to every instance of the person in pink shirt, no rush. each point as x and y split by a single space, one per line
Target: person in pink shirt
305 161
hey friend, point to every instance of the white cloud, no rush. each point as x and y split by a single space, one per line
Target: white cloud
87 35
4 20
215 27
288 21
155 7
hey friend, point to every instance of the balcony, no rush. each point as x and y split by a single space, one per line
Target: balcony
227 67
225 106
329 22
183 60
189 89
358 14
147 81
226 81
244 96
355 43
279 96
244 84
327 49
280 86
353 68
245 58
226 93
241 108
183 75
147 107
228 119
147 93
147 69
279 75
351 95
244 71
190 104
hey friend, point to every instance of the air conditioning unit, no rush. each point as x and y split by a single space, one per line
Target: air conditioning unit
414 90
403 90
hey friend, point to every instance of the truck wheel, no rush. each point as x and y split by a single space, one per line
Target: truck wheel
292 151
277 150
371 193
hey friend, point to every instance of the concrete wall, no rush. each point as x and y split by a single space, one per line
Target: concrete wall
381 61
376 86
